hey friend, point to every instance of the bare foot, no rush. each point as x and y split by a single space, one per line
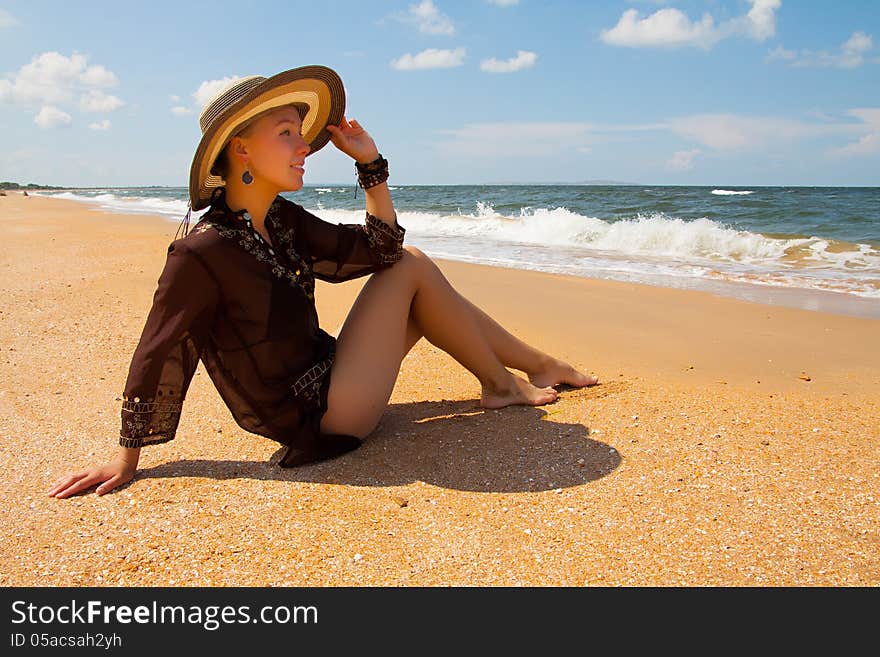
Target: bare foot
558 371
520 392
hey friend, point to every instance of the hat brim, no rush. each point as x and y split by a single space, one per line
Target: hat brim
317 88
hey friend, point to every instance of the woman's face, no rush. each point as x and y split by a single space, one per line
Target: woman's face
274 149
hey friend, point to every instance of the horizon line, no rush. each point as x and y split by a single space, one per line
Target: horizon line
609 183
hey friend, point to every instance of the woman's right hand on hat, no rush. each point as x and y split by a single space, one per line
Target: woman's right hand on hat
117 472
351 138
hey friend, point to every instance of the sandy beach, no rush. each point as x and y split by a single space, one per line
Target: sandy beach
728 443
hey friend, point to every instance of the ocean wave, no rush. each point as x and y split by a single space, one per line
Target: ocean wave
656 234
647 247
730 192
157 205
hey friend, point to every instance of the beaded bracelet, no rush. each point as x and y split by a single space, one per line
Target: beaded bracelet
372 173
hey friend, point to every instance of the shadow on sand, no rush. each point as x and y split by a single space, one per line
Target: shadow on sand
452 444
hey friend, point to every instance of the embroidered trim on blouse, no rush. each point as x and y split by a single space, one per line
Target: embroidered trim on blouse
385 241
308 386
148 423
301 276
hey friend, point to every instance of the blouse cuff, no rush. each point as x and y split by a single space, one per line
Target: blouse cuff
148 422
385 241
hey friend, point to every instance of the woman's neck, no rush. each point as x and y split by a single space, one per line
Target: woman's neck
255 198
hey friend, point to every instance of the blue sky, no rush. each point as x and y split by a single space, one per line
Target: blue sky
689 92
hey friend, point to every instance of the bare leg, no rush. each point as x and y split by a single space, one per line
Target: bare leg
541 368
379 331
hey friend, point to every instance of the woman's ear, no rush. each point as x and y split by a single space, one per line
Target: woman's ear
239 149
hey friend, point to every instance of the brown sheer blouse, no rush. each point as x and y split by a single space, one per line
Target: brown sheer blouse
246 310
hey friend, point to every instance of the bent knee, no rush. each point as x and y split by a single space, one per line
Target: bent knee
415 251
417 258
413 261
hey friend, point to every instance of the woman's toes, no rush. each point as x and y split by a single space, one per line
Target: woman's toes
552 393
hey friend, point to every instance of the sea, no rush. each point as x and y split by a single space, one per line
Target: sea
815 248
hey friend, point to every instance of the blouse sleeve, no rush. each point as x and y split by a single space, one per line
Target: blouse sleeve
341 252
166 356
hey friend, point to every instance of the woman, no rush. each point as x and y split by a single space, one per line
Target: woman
237 293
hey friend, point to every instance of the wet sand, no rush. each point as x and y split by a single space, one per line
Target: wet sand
728 443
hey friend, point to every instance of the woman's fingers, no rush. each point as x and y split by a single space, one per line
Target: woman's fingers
78 482
74 487
109 485
108 476
65 481
346 126
350 137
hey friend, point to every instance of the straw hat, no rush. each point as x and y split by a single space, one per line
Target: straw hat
317 92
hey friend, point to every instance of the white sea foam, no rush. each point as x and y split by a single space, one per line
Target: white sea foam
655 248
166 207
647 235
730 192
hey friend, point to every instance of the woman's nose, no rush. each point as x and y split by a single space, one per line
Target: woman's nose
304 147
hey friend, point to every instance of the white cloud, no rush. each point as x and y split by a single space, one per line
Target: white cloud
859 42
683 160
722 133
503 3
781 53
430 58
523 59
51 80
103 125
760 22
210 88
7 19
664 28
174 99
523 140
519 140
730 133
429 19
672 28
852 54
869 115
98 76
52 117
180 110
97 101
869 143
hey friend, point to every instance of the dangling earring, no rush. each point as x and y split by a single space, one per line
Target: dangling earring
246 177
